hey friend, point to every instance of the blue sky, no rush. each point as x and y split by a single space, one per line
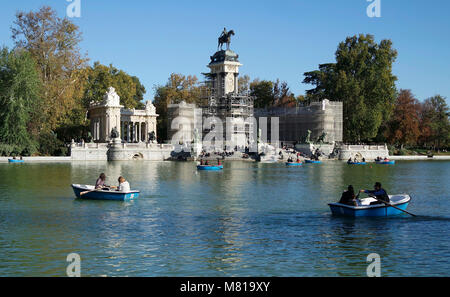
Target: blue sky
275 39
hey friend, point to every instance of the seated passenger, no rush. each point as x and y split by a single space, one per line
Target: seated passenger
348 197
100 183
124 186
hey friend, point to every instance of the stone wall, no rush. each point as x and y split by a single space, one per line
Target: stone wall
369 152
120 151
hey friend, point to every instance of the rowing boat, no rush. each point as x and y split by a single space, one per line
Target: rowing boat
364 209
15 161
289 164
385 162
93 194
209 167
313 161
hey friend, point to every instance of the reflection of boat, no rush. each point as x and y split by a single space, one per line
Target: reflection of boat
364 209
356 163
294 164
102 194
313 161
209 167
385 162
15 161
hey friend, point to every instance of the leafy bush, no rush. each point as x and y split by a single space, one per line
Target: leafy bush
50 145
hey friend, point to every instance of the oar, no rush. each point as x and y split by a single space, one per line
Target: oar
388 204
87 192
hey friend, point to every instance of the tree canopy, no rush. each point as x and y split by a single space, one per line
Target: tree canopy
362 78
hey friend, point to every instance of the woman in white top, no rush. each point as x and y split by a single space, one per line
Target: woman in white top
124 186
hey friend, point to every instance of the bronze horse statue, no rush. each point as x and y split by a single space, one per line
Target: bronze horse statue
225 39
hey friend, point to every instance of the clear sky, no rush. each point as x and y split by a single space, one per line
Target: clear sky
275 39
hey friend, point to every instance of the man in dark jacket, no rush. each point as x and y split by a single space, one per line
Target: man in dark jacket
379 193
348 197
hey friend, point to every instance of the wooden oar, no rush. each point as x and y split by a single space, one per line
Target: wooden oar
87 192
388 204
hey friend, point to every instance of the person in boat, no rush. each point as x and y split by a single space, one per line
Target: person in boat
364 160
350 160
298 160
348 197
124 186
379 193
100 183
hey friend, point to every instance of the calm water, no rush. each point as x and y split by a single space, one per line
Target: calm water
249 220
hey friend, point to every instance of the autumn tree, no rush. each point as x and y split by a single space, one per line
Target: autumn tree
362 78
403 127
53 42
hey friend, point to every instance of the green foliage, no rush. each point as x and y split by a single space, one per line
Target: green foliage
50 145
362 78
19 95
435 124
101 77
177 89
269 94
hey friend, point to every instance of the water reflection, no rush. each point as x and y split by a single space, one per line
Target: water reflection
250 219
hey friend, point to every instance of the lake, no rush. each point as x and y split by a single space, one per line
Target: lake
249 220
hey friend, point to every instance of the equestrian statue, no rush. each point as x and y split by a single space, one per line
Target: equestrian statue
225 38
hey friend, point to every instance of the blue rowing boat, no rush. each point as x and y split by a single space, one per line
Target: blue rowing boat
364 209
103 194
356 163
385 162
292 164
313 161
15 161
209 167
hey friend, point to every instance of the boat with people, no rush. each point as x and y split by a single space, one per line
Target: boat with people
398 205
209 167
293 164
91 193
385 162
313 161
15 161
356 163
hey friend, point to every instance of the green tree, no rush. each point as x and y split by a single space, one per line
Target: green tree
101 77
362 78
177 89
20 89
263 93
435 124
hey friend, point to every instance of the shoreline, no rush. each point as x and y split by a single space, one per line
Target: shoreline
51 159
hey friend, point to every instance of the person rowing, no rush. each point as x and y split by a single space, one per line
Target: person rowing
379 193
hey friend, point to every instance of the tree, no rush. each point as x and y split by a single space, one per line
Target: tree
53 43
403 127
263 93
434 122
177 89
362 78
243 83
20 89
101 77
